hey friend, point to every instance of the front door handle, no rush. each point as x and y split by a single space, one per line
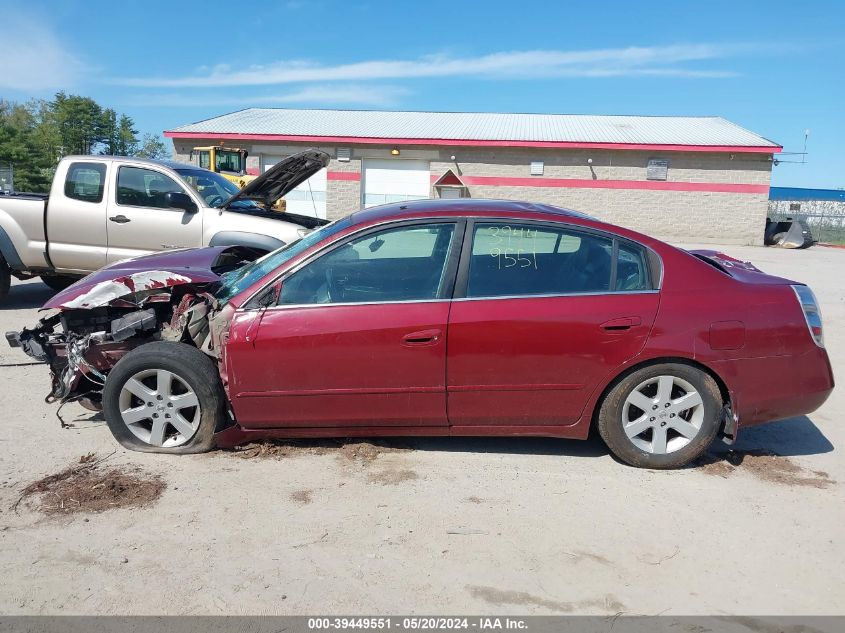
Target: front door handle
621 324
423 337
120 219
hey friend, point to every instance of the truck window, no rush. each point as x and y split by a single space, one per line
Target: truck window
204 159
228 161
85 181
138 187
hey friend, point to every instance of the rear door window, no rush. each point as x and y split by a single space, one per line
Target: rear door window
631 268
85 181
512 260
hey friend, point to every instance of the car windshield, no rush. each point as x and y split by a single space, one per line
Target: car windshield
243 277
214 188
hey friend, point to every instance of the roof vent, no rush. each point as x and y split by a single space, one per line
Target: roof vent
344 154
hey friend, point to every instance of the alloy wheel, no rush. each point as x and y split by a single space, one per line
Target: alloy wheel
663 414
159 408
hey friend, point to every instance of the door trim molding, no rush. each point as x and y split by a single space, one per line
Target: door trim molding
347 391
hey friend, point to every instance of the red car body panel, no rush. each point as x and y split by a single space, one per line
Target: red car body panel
532 365
518 366
323 365
531 360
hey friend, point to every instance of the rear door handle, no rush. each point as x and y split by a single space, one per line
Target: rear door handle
423 337
621 324
120 219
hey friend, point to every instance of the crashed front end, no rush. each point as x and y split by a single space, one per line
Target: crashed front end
91 325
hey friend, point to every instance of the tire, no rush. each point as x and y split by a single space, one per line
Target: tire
164 374
5 278
671 435
58 282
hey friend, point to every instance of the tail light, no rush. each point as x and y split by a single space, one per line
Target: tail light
812 313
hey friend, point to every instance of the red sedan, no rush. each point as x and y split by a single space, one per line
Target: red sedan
436 317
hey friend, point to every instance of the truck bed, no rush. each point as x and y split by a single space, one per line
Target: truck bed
24 231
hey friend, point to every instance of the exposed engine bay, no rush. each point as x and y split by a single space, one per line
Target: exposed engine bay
89 331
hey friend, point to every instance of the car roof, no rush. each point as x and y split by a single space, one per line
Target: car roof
463 207
172 164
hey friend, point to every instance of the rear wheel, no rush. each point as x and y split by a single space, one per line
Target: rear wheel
58 282
662 416
164 398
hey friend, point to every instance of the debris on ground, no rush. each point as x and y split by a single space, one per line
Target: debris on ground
363 452
764 465
392 477
499 597
466 531
87 486
302 497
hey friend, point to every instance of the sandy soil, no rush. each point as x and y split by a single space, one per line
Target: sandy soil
435 525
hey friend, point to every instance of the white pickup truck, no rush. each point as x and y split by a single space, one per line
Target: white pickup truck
102 209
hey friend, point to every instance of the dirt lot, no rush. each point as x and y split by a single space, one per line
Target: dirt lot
426 526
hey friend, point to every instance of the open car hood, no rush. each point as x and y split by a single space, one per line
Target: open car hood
281 178
146 273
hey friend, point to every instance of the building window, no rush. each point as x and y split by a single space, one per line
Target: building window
657 169
794 206
537 167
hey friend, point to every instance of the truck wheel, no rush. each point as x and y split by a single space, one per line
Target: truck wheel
58 282
164 398
5 278
661 416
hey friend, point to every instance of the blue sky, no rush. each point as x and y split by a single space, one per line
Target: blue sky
774 67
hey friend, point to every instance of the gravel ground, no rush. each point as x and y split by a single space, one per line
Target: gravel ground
458 525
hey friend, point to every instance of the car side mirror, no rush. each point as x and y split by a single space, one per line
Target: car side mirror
269 297
179 200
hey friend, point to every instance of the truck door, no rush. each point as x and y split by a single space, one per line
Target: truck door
76 216
139 219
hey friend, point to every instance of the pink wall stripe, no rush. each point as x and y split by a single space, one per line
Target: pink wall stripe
583 183
343 175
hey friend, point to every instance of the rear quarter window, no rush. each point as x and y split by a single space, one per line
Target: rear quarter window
85 181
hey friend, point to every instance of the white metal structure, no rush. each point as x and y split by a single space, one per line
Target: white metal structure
489 126
394 180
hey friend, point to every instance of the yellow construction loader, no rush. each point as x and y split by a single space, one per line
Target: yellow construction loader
229 162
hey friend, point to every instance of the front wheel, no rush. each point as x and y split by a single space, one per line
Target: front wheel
662 416
164 398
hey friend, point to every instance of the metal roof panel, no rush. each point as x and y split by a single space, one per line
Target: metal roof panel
481 126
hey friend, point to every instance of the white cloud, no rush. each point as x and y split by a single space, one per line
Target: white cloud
632 61
365 95
34 59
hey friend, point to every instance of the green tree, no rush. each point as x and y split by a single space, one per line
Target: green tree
127 137
120 138
152 146
34 136
19 146
80 123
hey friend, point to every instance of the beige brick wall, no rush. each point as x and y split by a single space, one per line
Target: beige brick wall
679 216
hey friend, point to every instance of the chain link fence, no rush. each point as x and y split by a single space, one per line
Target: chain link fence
825 217
7 178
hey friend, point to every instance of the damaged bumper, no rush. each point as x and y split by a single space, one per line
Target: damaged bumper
91 325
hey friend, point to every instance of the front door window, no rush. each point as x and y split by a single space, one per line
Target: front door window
401 264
